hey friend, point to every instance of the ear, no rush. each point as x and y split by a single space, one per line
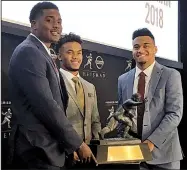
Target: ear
133 55
59 57
156 49
33 24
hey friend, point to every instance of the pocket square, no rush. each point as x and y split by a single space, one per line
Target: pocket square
90 95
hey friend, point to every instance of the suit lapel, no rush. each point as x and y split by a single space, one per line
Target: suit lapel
45 53
155 77
65 96
71 92
130 83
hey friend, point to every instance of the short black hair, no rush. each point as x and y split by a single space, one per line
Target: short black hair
142 32
37 10
71 37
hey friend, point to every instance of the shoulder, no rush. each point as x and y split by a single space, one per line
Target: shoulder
125 75
121 77
170 72
26 54
25 47
87 83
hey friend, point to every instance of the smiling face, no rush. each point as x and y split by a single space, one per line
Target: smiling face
144 51
71 56
48 26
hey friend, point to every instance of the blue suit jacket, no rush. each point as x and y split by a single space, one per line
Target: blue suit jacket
40 124
163 111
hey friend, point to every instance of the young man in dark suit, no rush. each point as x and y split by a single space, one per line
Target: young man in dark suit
41 132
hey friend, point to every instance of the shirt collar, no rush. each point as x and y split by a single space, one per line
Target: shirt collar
47 49
67 74
147 71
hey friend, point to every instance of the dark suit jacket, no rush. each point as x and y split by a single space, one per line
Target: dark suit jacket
40 123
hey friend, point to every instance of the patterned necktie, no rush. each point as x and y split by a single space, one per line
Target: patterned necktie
141 108
56 68
79 92
54 57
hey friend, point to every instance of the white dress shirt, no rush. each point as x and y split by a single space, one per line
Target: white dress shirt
69 77
148 72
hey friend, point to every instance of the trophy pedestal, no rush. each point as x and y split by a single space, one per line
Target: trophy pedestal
119 152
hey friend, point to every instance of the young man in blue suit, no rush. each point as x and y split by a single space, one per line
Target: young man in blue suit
157 120
41 132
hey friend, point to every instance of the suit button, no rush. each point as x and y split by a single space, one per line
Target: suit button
85 124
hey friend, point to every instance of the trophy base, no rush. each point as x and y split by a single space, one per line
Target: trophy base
115 141
120 151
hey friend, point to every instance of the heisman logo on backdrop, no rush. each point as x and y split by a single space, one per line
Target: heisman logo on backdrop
6 121
93 68
129 65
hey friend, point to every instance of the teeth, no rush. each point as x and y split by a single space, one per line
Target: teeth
54 33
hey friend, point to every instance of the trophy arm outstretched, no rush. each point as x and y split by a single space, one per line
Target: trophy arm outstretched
118 112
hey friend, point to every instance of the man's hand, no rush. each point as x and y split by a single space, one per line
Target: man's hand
150 145
85 154
75 157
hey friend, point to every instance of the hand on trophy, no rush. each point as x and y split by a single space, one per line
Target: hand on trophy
75 157
85 154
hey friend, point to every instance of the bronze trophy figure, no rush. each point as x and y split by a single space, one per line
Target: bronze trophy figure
121 119
123 147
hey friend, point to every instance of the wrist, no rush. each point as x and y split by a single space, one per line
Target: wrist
80 147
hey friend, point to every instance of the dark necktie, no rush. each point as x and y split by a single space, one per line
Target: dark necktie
79 92
141 108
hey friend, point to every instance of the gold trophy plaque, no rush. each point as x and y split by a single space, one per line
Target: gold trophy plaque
121 151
